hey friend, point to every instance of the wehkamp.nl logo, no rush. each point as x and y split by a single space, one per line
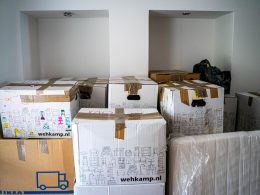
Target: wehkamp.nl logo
137 179
50 134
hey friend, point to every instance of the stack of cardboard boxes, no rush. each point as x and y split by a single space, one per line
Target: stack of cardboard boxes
119 138
122 149
211 162
42 110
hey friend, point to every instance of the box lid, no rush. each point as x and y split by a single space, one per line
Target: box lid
131 79
96 114
93 82
42 87
250 94
189 85
119 116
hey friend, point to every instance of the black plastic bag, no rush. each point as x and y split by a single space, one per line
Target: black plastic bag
213 75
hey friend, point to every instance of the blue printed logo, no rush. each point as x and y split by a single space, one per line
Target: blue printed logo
58 180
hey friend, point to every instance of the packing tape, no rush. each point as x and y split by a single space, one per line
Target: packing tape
44 146
132 85
21 149
200 90
184 96
120 123
44 98
86 88
204 86
45 86
39 97
119 117
177 76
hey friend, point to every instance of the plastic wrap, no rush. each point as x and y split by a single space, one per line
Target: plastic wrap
227 163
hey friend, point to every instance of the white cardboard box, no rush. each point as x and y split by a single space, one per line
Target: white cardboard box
132 92
140 189
192 107
248 111
106 153
38 109
93 93
226 163
230 112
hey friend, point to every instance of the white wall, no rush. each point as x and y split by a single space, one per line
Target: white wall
224 27
128 42
246 48
30 47
246 45
179 43
9 65
74 47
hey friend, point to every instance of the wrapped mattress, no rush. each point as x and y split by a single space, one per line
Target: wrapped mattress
227 163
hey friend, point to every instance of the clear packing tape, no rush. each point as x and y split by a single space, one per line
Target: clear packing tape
220 164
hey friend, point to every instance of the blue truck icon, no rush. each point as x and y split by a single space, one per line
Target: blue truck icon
51 179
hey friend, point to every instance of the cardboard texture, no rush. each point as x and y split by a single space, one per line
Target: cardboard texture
35 166
192 107
38 109
226 163
164 76
131 149
93 92
230 113
140 189
248 111
132 92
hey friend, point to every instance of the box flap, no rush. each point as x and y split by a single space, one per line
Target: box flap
142 80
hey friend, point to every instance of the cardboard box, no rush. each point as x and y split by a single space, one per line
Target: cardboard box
132 92
36 166
248 116
38 109
230 113
93 93
129 150
226 163
192 107
140 189
161 76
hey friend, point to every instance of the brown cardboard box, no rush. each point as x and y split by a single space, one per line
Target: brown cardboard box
36 166
161 76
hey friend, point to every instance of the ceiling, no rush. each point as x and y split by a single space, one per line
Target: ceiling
193 14
75 14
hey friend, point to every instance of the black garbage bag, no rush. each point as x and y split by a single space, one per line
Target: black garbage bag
213 75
